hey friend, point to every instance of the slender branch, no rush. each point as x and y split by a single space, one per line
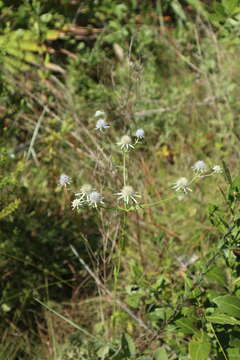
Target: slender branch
123 306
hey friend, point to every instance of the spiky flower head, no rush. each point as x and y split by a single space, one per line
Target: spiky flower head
182 184
95 199
199 166
64 180
125 143
76 203
127 194
139 134
84 192
99 113
217 169
101 125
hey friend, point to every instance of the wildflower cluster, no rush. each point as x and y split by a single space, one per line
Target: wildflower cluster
200 170
125 142
90 197
87 196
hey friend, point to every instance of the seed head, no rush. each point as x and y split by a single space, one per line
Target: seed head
95 198
101 125
182 185
217 169
64 180
84 191
76 203
99 113
127 194
139 134
125 143
199 166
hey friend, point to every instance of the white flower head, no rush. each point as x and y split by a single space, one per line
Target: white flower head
199 166
99 113
127 194
139 134
84 192
182 184
95 199
217 169
125 143
76 203
101 124
64 180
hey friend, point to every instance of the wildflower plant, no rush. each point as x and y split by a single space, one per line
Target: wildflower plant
89 197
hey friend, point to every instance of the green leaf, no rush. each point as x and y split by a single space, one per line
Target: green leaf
128 346
233 353
222 319
187 326
227 173
177 8
199 349
103 351
160 354
216 274
229 305
198 6
10 208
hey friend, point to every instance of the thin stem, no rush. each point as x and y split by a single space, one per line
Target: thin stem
121 304
124 168
220 345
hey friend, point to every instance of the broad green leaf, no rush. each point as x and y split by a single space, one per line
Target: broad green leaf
222 319
187 326
228 304
216 274
160 354
199 349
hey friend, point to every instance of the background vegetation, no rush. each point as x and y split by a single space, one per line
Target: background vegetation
154 283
